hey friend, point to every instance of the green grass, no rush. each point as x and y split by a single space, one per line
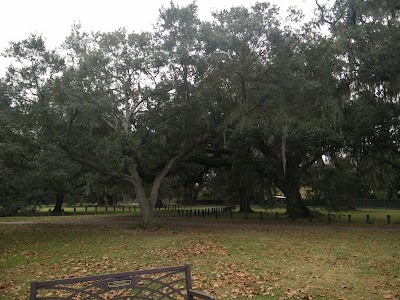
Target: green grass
263 262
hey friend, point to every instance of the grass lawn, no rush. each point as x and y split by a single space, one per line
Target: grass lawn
281 260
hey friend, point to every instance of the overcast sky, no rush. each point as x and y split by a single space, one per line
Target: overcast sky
54 18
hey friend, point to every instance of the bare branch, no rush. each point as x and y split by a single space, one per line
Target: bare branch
322 10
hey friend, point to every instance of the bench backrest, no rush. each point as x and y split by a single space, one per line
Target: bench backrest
158 283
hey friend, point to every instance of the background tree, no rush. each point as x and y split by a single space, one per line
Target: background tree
235 42
301 109
129 114
336 184
43 173
367 34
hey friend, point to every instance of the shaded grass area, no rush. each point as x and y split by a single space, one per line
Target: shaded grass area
45 212
357 217
37 218
377 217
269 262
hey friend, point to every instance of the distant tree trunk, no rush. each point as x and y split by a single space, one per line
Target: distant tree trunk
295 206
188 192
192 185
270 194
244 202
110 199
259 196
392 192
100 199
159 202
59 202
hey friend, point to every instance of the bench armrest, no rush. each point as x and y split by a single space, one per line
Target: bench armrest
194 293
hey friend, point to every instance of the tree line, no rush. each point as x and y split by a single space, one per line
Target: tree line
231 109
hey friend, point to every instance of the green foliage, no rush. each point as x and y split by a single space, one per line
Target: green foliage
243 100
367 35
336 184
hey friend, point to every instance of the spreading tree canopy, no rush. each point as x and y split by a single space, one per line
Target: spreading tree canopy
238 104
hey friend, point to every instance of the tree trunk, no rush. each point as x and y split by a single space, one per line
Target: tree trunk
244 202
59 203
187 194
270 194
146 212
146 209
295 206
159 202
100 199
190 193
147 204
392 192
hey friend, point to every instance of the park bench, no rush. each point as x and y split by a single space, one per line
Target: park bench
159 283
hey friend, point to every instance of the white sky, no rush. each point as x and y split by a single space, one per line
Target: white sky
54 18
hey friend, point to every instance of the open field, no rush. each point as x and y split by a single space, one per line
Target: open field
261 260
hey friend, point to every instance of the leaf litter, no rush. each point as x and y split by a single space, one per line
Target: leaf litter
276 264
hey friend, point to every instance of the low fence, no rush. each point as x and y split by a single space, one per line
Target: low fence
378 203
109 209
91 209
204 211
354 203
228 213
